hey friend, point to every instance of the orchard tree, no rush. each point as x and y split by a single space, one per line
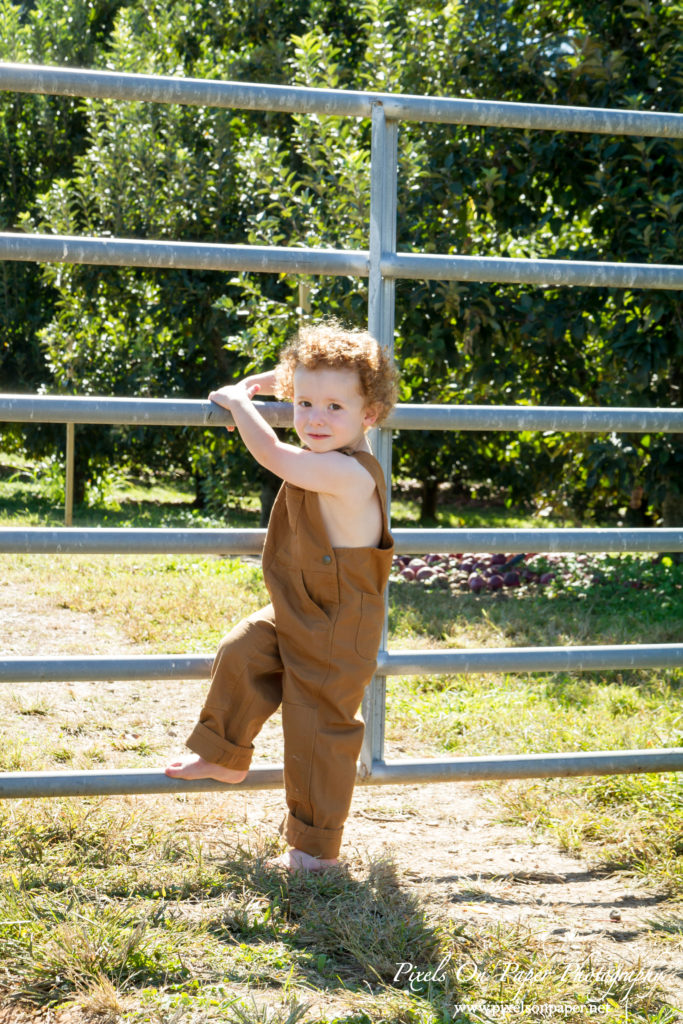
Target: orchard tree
512 193
539 194
149 171
40 137
155 171
275 179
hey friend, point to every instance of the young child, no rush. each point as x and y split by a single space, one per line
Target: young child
326 562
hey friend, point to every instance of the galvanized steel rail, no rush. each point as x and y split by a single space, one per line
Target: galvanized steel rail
130 252
383 266
602 657
197 413
542 272
125 252
116 85
160 540
22 785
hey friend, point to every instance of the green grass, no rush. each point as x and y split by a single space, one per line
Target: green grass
146 909
35 494
472 515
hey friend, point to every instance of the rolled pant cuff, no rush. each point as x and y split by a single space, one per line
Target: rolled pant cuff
318 842
215 749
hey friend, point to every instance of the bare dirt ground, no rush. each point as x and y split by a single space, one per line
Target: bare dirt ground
446 840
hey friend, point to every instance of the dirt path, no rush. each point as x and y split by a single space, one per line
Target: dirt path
460 855
445 839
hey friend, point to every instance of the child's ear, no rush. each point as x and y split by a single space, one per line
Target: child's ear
370 416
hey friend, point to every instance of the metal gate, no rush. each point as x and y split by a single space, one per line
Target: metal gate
383 265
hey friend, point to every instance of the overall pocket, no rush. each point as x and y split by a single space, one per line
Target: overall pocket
321 591
370 623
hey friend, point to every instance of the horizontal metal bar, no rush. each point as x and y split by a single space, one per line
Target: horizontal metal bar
30 785
35 78
531 659
19 785
196 92
93 668
76 541
131 252
527 766
584 419
198 413
123 667
265 259
510 540
533 116
128 540
167 412
545 272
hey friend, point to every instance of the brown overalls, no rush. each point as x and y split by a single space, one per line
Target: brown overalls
313 650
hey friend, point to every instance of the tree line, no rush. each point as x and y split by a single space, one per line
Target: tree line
96 167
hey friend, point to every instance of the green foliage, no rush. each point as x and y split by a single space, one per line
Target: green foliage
156 171
150 171
39 138
484 191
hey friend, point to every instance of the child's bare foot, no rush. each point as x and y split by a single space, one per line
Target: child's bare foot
296 860
195 767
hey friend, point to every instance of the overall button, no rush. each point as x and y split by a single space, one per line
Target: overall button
327 559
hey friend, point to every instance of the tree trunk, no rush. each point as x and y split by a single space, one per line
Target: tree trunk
672 515
430 494
672 510
636 513
199 492
271 485
81 477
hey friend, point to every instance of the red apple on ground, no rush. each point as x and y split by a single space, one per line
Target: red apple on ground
475 582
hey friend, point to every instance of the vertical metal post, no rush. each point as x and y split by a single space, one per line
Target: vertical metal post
304 298
383 183
69 488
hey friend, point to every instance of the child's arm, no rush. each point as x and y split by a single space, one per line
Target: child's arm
329 473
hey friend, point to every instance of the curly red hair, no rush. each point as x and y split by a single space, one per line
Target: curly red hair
329 344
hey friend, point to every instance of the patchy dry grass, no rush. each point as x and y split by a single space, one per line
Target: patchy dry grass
158 602
151 909
85 919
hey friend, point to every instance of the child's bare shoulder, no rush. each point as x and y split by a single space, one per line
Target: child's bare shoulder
348 473
352 512
326 472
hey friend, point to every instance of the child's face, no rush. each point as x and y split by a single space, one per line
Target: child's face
329 410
